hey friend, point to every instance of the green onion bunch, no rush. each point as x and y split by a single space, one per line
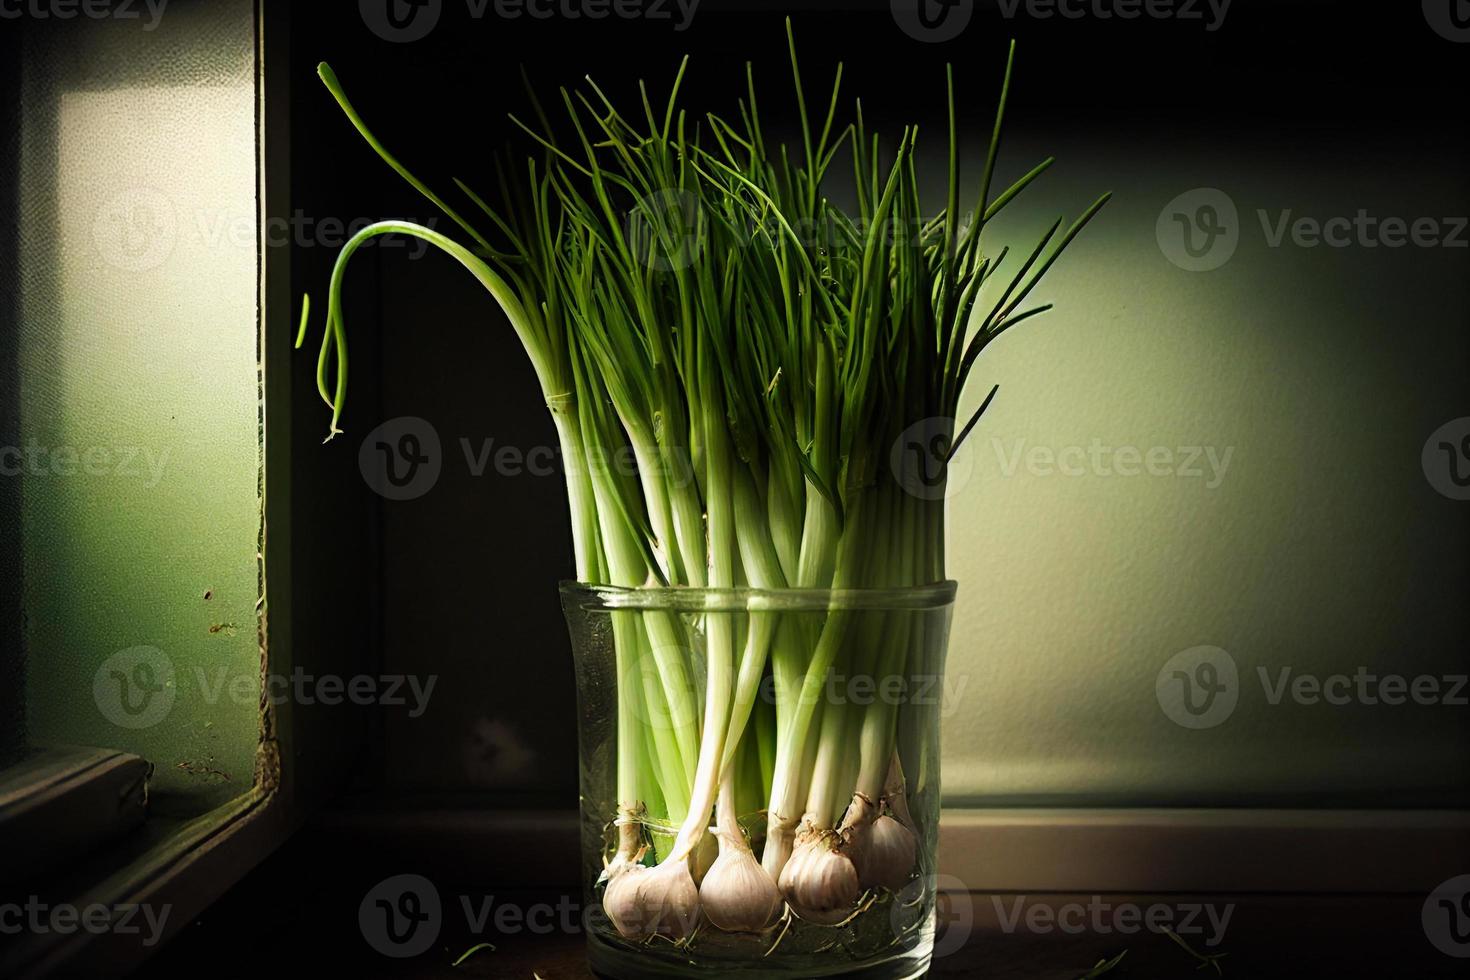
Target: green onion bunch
691 299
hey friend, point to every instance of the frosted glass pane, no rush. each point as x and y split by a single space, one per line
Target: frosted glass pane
139 402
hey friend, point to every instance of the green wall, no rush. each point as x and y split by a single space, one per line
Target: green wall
1323 547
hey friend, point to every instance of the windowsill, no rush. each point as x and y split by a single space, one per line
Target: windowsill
172 864
991 849
306 900
68 801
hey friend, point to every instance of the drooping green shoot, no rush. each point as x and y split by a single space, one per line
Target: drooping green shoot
735 367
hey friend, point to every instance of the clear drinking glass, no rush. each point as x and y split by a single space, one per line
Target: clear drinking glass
872 663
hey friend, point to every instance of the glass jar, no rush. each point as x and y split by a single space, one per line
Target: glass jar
814 801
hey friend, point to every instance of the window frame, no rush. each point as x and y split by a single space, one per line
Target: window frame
186 866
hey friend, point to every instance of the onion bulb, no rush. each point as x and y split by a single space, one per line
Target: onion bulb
737 895
819 882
